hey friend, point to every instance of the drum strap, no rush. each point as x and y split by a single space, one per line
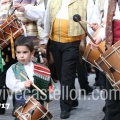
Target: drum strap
12 46
109 32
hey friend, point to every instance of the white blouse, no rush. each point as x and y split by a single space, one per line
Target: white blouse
33 13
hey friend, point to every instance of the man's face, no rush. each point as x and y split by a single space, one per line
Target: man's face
23 54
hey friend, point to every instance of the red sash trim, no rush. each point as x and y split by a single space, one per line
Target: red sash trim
116 31
39 69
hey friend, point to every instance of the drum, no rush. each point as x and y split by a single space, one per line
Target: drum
92 54
12 25
108 62
32 110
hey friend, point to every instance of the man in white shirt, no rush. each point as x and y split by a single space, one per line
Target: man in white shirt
65 36
112 30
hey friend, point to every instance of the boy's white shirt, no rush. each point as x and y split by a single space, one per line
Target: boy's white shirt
15 84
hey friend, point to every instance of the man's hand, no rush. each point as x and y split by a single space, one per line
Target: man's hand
42 50
19 7
94 26
97 40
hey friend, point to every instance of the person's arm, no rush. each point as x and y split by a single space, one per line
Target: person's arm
35 12
14 84
102 31
46 25
101 35
31 12
92 18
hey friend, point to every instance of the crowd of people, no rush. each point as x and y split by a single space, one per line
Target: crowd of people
49 27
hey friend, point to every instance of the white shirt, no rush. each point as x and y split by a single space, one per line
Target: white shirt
116 16
64 9
62 14
16 84
0 3
33 13
90 18
93 15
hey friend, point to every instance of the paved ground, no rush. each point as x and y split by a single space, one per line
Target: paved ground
90 106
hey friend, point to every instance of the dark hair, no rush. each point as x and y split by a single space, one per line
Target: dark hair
24 41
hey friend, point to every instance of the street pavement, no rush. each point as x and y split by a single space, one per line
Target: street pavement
90 106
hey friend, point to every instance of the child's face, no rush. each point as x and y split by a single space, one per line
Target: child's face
23 54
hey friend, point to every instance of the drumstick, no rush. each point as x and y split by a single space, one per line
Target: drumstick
46 106
101 25
33 84
86 22
91 23
77 18
80 19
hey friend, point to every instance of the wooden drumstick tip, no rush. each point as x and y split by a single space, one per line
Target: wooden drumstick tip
47 105
77 18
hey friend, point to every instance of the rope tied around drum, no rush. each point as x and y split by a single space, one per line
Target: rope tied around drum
111 68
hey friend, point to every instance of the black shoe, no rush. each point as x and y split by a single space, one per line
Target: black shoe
65 114
87 90
103 118
102 87
104 109
75 103
13 112
2 111
96 84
